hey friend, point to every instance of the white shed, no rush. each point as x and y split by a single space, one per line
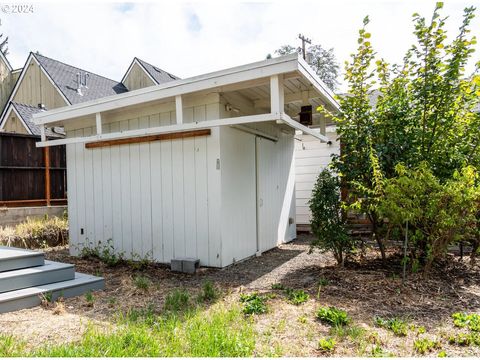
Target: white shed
201 167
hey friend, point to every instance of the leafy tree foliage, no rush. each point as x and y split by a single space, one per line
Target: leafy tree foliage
327 223
323 61
426 114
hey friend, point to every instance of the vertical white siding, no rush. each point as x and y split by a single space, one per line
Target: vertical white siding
156 200
311 157
238 194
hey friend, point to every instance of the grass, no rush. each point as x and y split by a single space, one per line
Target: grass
89 298
36 233
219 332
253 303
333 316
141 282
177 300
209 292
396 325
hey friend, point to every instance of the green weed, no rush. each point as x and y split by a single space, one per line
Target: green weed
253 303
327 345
278 286
333 316
209 292
297 297
423 346
177 300
142 282
471 321
397 326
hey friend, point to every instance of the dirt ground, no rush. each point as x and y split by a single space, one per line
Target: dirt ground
365 289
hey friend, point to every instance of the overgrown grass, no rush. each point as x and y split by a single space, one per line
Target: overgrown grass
177 300
36 233
218 332
209 292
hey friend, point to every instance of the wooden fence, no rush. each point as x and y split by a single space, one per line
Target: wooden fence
31 176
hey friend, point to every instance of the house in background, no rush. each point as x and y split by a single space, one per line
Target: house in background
202 167
141 74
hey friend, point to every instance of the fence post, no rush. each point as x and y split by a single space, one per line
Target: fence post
47 174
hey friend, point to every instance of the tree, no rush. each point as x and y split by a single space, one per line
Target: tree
425 113
3 44
327 223
321 60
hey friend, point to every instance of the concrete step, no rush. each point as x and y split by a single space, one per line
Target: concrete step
32 296
14 258
51 272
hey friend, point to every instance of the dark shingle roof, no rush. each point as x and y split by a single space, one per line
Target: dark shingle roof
26 113
159 75
65 78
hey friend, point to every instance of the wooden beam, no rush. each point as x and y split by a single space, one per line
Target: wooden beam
42 133
98 121
35 202
47 174
179 109
142 139
277 99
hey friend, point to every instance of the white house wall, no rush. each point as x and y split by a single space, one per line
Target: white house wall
157 200
311 157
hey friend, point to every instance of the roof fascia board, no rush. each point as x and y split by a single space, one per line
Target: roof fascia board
319 85
163 129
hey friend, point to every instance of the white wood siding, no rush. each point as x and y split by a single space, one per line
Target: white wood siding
311 157
157 200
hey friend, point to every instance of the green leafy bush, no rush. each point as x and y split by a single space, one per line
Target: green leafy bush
327 344
327 222
333 316
439 214
253 303
397 326
36 233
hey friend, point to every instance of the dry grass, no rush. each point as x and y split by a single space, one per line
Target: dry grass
365 289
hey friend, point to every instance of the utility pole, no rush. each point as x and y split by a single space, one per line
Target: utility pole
304 40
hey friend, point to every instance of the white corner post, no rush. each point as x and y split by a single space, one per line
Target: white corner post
98 122
42 133
277 98
179 109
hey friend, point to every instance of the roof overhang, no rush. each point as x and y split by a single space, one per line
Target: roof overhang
221 81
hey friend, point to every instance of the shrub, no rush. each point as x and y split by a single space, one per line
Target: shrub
297 297
439 214
36 233
253 303
327 222
333 316
177 300
397 326
327 344
104 252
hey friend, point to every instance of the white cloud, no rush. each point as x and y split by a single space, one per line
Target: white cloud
188 39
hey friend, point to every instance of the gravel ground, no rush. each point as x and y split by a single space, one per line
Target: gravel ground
365 288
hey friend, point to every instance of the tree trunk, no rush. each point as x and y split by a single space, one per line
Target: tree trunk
381 245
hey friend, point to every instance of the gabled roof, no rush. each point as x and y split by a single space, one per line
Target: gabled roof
157 75
25 113
64 76
160 76
5 60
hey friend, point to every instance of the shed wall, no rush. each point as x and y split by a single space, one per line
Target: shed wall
156 200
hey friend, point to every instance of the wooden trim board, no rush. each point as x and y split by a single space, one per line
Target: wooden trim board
148 138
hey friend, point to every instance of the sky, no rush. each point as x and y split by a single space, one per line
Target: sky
188 39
